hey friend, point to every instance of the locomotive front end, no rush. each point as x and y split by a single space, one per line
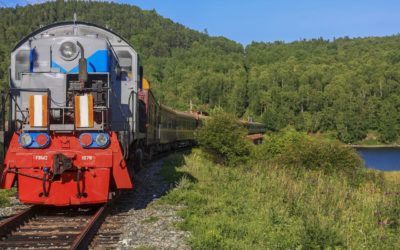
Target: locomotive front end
63 149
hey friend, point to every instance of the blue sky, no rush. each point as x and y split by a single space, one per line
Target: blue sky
270 20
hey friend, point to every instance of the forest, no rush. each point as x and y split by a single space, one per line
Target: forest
347 88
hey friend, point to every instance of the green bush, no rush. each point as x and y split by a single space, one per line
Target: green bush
301 151
225 138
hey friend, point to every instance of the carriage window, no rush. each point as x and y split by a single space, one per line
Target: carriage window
22 63
125 62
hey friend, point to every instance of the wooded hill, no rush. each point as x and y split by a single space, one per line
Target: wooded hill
346 86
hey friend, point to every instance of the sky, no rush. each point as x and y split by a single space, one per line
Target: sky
276 20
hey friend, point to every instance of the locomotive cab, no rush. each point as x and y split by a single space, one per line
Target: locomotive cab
49 67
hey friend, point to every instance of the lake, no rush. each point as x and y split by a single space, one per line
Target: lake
385 159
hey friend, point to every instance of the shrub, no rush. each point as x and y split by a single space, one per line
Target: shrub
222 135
299 150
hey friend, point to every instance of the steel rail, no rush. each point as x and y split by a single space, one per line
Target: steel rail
12 223
84 239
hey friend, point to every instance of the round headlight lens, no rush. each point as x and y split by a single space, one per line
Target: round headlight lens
68 50
102 140
25 140
86 139
42 140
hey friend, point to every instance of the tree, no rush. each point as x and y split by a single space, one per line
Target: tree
223 136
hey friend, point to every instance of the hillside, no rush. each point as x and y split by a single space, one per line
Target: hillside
346 87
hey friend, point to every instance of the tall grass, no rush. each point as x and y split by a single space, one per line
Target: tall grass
5 196
267 206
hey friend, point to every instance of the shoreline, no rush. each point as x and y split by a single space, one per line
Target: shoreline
374 146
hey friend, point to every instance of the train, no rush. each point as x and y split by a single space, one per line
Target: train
82 118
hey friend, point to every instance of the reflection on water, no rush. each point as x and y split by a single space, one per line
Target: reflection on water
385 159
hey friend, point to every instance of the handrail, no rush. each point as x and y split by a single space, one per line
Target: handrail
31 90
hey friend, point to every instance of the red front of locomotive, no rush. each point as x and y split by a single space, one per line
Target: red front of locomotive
68 171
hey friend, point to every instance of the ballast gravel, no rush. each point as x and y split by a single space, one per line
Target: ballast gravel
12 209
152 226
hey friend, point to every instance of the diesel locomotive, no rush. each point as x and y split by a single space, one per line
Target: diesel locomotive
79 109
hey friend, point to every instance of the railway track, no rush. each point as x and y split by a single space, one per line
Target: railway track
109 234
95 227
52 228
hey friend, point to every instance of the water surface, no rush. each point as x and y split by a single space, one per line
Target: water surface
385 159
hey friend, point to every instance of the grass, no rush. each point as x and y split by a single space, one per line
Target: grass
392 177
265 206
151 219
5 196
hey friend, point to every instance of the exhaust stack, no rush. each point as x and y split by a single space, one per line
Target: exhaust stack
83 74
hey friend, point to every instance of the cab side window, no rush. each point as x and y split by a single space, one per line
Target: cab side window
125 63
22 63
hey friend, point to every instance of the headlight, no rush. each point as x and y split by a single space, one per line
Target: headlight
94 140
68 50
25 140
102 140
86 139
42 140
34 140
